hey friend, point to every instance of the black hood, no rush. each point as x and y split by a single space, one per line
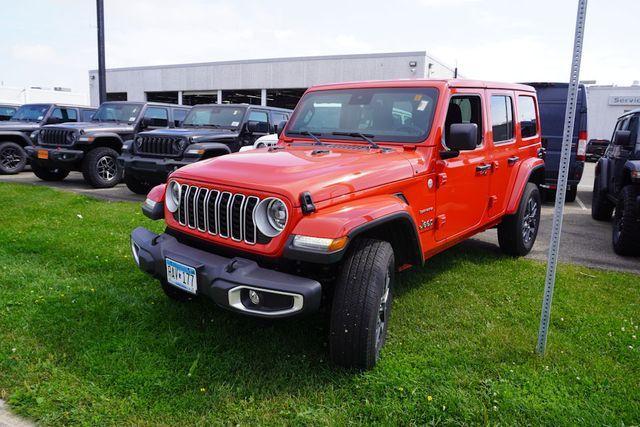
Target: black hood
91 127
14 125
195 134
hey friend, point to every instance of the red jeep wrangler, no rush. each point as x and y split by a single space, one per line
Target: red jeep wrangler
367 179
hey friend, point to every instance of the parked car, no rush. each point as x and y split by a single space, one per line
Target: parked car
616 186
552 98
596 149
7 111
368 179
15 133
208 131
92 147
262 142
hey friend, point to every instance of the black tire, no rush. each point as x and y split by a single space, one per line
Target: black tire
12 158
626 223
571 194
362 304
517 233
176 294
137 185
46 173
601 206
100 169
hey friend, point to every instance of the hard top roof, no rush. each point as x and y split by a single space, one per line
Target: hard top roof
161 104
630 113
244 106
451 83
56 104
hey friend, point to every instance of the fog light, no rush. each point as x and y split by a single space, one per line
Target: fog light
254 297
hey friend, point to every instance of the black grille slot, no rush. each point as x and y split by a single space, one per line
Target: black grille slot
158 145
55 136
228 215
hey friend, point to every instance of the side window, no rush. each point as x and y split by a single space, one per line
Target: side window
633 128
258 116
462 109
7 112
87 115
65 114
159 116
178 116
502 118
527 116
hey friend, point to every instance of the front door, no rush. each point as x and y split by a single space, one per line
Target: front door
463 181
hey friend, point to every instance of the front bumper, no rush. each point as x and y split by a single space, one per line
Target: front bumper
223 280
53 155
160 167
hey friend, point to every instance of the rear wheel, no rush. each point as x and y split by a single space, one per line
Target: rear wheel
176 294
626 223
100 169
601 206
517 233
571 194
362 304
137 184
46 173
12 158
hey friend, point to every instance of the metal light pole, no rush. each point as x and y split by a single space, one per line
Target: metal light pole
102 75
572 96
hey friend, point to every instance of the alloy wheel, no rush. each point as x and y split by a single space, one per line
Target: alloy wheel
106 168
530 221
381 321
10 157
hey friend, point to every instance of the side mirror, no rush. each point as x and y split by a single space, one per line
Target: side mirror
146 122
463 137
280 127
257 127
622 138
54 120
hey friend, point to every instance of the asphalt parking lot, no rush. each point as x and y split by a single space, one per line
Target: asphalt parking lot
584 241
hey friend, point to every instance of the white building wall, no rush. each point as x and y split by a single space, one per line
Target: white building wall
606 104
31 95
281 73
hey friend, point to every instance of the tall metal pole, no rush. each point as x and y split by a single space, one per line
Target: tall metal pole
567 137
102 75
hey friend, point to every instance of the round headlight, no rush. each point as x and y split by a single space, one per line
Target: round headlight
138 142
71 137
179 145
172 198
270 216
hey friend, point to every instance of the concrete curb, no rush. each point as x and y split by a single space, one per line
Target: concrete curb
7 419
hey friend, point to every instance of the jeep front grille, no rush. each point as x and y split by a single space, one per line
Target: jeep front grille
219 213
158 145
56 136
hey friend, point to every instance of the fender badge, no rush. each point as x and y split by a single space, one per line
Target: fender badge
430 183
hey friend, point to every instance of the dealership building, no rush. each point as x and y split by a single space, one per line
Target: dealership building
606 104
276 82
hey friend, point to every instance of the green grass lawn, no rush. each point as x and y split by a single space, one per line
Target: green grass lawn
86 338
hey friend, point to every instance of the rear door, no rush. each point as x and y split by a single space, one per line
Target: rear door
463 188
504 148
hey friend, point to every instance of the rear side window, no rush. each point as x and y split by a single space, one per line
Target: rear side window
65 114
278 117
527 116
87 115
159 116
258 116
502 118
178 116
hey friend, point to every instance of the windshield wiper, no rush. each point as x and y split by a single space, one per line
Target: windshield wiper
307 133
363 136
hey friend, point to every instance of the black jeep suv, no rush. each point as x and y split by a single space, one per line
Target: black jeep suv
208 131
15 133
93 147
617 185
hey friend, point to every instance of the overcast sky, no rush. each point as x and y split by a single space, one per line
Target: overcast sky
53 42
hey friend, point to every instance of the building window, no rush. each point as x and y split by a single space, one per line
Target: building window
241 97
199 97
166 97
284 98
502 118
116 96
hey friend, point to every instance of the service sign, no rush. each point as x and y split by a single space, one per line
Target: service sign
624 100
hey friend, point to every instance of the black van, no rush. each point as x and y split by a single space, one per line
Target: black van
552 99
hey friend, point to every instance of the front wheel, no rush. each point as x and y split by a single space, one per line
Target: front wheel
100 169
47 173
626 223
601 206
362 304
517 233
12 158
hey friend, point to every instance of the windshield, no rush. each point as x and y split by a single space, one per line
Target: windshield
383 114
215 116
117 112
31 113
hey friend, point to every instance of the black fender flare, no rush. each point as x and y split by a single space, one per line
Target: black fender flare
15 133
602 169
210 147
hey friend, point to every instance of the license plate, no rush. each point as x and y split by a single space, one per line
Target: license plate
43 154
181 276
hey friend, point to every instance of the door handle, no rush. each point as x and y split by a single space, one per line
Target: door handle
483 169
513 160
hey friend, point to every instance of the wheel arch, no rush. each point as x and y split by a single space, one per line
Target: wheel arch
113 141
531 170
15 137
